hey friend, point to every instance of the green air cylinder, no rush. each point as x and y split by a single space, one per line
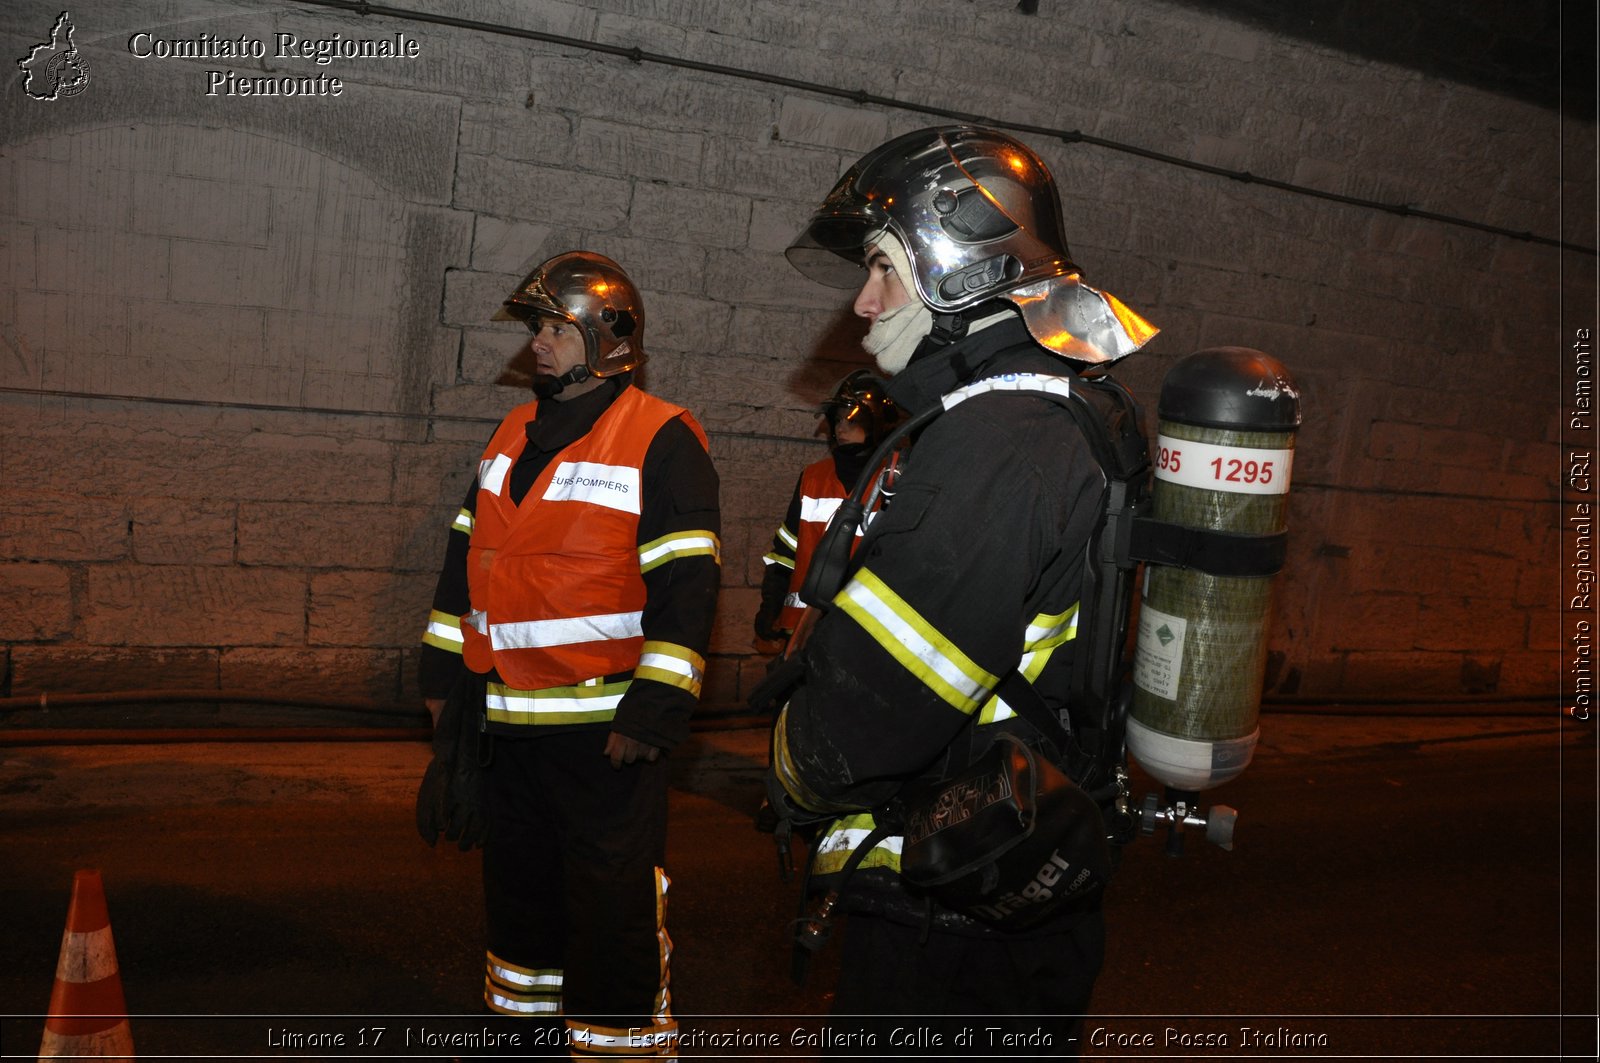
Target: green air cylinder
1225 446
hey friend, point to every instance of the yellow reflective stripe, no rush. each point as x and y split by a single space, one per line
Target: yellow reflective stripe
464 521
663 1002
674 665
443 631
698 543
1050 631
776 558
787 537
783 766
845 837
915 643
591 701
1045 634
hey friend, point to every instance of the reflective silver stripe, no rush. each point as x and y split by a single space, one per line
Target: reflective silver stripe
539 634
684 544
492 473
1050 629
547 979
848 839
1055 385
525 1007
1044 636
443 628
787 537
478 620
674 665
445 631
575 702
919 647
503 981
464 522
818 510
846 836
777 559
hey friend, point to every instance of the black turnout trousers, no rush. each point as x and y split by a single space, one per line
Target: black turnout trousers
572 875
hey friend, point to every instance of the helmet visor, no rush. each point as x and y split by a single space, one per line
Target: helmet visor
831 248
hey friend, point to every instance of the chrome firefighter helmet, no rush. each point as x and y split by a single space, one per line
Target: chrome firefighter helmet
862 399
593 293
978 215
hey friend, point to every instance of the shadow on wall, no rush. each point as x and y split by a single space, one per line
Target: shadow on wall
835 355
518 371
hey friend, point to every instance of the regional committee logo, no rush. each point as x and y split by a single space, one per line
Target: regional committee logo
55 69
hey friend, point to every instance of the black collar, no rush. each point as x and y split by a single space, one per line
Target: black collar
559 424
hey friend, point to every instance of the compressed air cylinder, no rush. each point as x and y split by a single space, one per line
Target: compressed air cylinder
1225 447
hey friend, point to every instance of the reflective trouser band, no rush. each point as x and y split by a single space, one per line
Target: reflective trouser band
845 837
917 645
443 631
662 1012
659 1040
658 552
674 665
568 631
658 1037
592 701
513 990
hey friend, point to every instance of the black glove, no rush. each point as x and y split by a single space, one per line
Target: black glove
767 623
450 798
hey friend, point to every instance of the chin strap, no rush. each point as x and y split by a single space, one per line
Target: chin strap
548 387
947 329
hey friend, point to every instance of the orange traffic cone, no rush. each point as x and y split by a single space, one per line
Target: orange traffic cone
88 1016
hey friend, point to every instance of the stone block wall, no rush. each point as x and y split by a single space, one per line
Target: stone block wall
247 354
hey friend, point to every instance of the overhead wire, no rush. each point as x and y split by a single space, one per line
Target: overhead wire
638 55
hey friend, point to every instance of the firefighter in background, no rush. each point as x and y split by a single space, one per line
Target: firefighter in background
858 415
953 239
578 589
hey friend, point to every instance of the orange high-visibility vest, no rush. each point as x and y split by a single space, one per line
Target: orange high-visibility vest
555 583
820 495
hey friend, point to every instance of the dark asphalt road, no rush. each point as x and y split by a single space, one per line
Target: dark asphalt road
1401 890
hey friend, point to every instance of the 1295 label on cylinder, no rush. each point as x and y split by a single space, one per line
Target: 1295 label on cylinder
1210 467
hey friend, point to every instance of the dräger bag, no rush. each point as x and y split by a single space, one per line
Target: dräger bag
1009 841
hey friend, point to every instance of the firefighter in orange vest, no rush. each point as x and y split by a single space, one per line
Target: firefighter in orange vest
577 593
858 416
